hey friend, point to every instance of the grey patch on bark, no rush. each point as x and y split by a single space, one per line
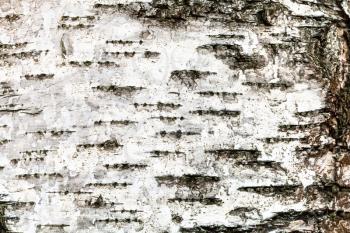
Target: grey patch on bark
66 45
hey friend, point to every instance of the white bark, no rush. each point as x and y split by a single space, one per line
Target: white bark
173 116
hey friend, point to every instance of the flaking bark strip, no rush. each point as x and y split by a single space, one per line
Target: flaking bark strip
6 89
11 17
123 42
279 85
80 64
112 184
315 150
10 105
118 220
39 175
91 64
243 211
165 153
282 139
11 218
177 134
223 94
151 54
115 122
107 6
301 127
276 190
11 110
221 113
100 203
130 211
75 26
18 205
13 46
176 218
106 145
66 192
60 226
203 201
237 154
313 113
4 141
188 180
224 229
168 119
261 228
37 159
42 152
233 56
159 106
329 188
262 164
227 36
125 54
119 90
38 76
52 133
97 203
77 18
189 78
107 64
125 166
34 54
307 216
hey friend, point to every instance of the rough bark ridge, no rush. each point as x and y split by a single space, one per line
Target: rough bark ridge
174 116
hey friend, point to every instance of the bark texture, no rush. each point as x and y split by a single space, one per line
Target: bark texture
164 116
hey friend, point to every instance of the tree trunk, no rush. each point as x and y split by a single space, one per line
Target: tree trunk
172 116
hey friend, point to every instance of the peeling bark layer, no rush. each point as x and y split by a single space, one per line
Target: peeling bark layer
174 116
